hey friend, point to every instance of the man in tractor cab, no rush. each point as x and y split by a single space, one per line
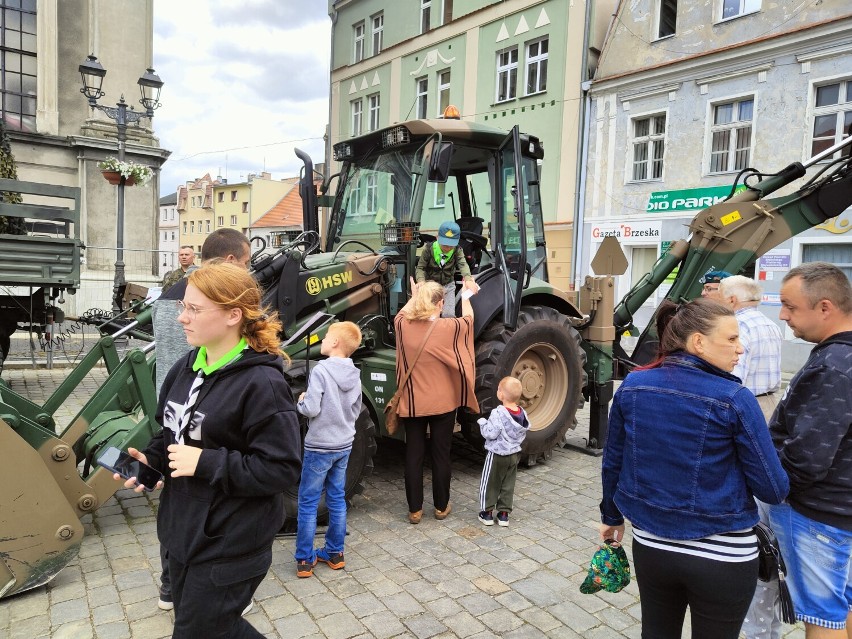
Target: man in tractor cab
439 262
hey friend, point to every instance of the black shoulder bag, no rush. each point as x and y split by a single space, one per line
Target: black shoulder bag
772 567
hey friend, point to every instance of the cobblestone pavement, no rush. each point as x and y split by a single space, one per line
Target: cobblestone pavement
451 578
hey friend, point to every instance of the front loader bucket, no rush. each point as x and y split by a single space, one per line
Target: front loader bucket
47 479
40 533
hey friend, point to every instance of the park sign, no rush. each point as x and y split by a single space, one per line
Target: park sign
687 199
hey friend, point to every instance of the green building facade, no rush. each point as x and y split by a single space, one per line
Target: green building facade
500 63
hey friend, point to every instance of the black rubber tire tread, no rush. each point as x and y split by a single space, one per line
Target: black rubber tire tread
498 351
360 466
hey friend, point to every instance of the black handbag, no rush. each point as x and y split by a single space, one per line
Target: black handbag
772 567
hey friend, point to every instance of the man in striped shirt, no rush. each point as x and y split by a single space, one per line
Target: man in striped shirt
760 365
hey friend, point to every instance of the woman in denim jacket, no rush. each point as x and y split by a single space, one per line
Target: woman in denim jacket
688 450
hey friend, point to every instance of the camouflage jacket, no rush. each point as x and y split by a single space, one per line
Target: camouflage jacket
172 278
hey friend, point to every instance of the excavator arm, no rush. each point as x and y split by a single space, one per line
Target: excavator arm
731 235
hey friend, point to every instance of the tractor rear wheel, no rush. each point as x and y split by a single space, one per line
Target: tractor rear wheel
544 353
360 466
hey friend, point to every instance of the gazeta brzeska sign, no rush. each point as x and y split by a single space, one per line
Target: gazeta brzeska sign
687 199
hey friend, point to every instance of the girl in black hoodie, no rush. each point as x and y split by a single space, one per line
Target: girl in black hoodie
229 446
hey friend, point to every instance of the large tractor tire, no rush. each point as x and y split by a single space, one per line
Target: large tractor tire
360 466
544 353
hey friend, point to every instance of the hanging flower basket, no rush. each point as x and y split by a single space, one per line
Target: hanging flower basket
114 177
133 173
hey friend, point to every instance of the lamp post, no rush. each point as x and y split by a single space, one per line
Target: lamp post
150 85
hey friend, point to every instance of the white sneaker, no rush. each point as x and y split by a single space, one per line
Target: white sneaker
165 602
248 608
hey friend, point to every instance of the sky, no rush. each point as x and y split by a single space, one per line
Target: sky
245 83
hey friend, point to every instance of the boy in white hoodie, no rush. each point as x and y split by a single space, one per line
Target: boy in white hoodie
504 432
332 404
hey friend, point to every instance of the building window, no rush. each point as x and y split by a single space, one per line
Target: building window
537 66
507 74
731 136
448 12
355 199
233 196
378 33
19 68
374 104
837 253
173 236
184 228
356 107
220 221
734 8
666 18
832 117
440 194
192 227
425 15
207 225
221 196
443 91
165 214
233 220
358 52
245 207
372 194
422 99
649 135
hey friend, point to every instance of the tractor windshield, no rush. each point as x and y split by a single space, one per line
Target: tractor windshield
375 192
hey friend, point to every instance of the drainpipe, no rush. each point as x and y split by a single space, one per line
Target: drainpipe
580 216
327 160
582 149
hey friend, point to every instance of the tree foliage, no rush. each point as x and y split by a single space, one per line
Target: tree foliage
8 169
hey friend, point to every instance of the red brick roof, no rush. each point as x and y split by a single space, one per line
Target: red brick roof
287 212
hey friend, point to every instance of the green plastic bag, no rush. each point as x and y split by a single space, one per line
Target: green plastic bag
609 569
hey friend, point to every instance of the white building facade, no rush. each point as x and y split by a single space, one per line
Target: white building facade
169 234
689 93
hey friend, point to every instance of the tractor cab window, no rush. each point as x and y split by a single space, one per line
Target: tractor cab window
376 192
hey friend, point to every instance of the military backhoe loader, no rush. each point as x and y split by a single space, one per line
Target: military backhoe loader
381 212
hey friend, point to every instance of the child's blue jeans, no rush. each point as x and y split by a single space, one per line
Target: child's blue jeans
322 471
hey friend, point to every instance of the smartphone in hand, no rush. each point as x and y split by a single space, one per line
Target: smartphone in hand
123 464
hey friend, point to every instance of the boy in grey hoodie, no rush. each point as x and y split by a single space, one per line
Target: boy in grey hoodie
504 432
331 403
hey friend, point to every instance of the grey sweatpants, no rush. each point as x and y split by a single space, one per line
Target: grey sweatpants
763 620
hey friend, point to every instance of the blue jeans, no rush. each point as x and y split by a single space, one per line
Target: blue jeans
819 570
328 471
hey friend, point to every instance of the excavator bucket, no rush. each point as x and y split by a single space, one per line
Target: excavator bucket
48 479
39 530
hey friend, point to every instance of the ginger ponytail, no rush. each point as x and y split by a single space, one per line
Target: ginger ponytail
231 286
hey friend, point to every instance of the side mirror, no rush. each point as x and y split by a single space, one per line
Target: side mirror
439 167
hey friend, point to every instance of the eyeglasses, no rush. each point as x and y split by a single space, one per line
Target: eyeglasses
192 310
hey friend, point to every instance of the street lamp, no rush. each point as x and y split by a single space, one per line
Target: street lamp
150 85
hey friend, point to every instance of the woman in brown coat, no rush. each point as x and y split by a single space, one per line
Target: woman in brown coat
441 381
